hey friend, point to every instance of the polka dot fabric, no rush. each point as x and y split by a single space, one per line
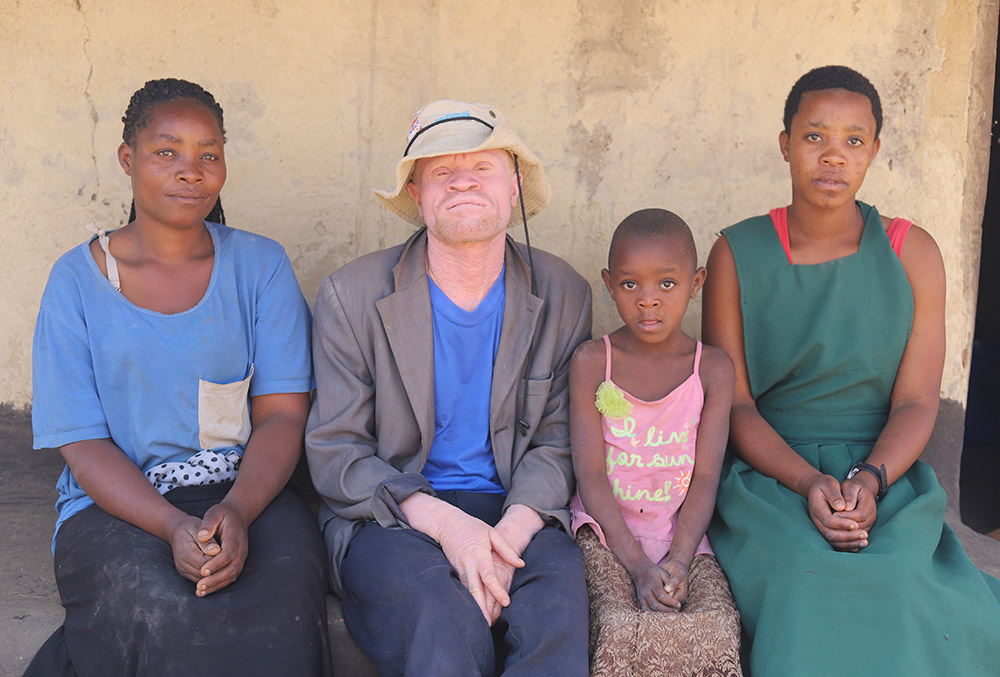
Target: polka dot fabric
205 467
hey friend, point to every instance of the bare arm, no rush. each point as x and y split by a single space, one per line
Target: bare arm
916 392
589 464
119 488
713 432
278 421
754 440
212 551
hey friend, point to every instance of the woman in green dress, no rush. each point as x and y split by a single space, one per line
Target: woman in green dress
831 531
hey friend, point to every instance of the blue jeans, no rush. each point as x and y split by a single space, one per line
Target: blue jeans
409 612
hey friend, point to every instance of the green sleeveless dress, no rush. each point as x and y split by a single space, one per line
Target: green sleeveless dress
823 344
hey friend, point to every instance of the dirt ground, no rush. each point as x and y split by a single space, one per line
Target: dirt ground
29 602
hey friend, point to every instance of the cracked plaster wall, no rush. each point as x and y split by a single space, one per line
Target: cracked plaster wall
631 104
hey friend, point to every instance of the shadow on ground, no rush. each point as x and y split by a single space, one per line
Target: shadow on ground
29 603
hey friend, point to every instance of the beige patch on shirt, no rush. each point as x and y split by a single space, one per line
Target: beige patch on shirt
223 413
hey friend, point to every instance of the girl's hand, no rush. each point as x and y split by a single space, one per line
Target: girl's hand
677 580
651 588
223 524
826 509
190 554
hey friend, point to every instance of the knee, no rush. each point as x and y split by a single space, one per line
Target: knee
552 578
555 557
403 570
398 612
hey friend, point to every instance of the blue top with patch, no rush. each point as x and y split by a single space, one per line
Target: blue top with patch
163 387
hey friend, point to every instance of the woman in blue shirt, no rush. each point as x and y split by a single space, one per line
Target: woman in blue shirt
172 370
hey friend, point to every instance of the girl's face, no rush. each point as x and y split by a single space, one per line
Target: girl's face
177 164
651 281
830 147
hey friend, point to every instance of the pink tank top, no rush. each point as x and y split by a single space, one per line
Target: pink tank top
896 232
650 458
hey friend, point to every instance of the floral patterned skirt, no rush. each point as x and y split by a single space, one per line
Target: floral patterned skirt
702 639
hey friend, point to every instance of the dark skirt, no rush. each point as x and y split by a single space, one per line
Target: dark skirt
702 639
128 611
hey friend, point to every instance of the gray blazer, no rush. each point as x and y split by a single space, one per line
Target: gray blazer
372 421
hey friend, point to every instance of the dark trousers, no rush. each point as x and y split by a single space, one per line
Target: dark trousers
408 611
128 611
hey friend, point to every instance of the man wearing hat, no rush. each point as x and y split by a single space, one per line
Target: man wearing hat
439 435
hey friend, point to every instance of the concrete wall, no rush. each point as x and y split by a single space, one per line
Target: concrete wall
632 104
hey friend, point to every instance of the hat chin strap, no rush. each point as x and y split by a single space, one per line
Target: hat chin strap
522 424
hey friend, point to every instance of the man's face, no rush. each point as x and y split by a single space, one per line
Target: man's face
465 198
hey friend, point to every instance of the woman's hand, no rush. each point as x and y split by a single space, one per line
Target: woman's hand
835 521
190 554
225 528
860 499
651 587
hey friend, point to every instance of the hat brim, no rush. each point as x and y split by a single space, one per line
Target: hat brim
467 137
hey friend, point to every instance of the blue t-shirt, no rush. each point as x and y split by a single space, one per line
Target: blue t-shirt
164 387
465 348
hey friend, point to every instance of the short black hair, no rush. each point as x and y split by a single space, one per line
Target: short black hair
649 223
155 92
833 77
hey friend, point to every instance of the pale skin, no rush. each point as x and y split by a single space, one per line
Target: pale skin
165 260
651 287
465 200
829 147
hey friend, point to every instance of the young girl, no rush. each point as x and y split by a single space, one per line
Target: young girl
829 528
649 415
172 370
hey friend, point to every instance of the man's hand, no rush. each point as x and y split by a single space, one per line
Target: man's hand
472 547
518 526
484 557
505 574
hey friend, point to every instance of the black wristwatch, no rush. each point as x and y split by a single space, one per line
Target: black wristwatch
879 472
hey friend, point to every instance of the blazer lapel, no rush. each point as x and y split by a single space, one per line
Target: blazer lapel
520 315
406 319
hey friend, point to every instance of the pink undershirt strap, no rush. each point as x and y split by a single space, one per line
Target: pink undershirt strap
897 232
607 358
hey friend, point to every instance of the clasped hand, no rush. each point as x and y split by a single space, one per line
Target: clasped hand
843 512
660 588
210 552
484 559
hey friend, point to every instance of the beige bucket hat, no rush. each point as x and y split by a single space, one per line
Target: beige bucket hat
448 127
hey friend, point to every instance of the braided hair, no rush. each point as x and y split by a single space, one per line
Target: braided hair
140 110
